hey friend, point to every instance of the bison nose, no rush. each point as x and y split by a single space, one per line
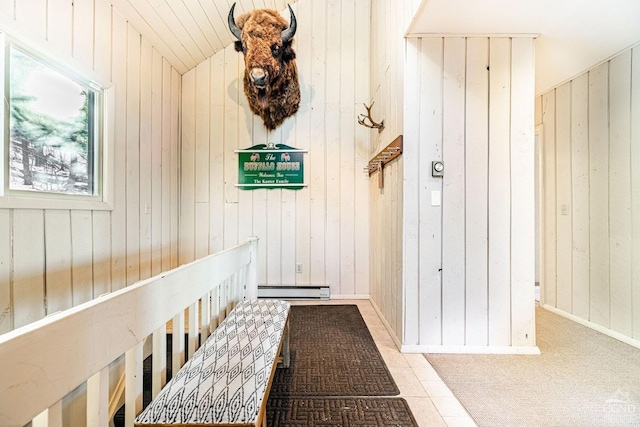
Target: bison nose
259 76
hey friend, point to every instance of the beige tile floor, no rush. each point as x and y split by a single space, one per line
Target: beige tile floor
430 400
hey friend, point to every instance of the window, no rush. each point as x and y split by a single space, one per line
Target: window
54 141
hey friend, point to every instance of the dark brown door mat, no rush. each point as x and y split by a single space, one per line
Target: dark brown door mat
332 354
345 412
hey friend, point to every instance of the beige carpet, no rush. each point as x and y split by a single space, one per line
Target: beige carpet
582 378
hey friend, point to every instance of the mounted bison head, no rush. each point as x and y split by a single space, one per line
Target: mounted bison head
270 73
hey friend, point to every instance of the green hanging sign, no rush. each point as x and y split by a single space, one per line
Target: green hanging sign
270 166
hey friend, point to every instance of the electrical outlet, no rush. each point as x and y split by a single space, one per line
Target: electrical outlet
298 268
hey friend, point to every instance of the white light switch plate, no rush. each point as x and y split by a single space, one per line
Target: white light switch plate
435 198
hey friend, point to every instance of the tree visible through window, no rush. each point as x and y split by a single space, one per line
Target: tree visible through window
50 129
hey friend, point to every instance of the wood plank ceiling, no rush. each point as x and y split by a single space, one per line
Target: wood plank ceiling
187 32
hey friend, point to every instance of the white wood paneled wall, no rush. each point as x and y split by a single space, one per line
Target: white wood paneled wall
51 260
591 195
323 227
469 264
387 92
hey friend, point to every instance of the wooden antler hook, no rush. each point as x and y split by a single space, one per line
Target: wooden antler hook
362 119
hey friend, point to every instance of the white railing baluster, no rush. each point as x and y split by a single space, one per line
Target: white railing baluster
42 419
242 281
205 317
251 290
177 343
159 360
98 399
215 308
235 287
133 384
228 284
192 345
50 417
222 312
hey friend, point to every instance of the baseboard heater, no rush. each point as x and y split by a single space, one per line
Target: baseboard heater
294 292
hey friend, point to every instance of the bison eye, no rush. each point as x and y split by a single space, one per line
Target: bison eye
275 50
240 47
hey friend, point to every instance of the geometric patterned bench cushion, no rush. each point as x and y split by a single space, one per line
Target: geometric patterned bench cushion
226 379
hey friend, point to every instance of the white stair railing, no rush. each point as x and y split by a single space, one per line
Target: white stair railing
44 361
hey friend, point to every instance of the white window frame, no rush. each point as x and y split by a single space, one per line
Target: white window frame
103 138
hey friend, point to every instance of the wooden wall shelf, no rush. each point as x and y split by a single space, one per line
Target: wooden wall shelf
390 152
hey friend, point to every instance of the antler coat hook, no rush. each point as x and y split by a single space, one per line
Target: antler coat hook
362 119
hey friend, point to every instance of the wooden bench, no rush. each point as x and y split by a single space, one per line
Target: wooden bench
227 380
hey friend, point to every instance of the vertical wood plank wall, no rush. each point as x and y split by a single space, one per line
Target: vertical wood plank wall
469 264
51 260
390 20
385 211
591 192
323 227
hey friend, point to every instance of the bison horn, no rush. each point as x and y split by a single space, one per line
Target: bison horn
291 31
232 24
